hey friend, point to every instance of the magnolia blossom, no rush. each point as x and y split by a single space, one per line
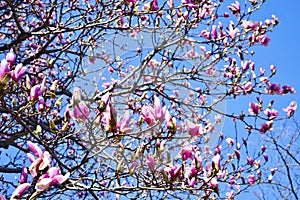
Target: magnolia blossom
133 166
37 90
148 114
248 87
235 8
193 129
52 177
251 179
187 152
250 160
24 175
123 123
288 89
173 173
151 163
230 195
20 190
110 118
170 122
191 182
272 114
104 102
4 68
230 141
232 32
254 108
264 40
80 111
18 72
266 126
40 163
216 162
213 183
151 114
290 110
273 89
11 57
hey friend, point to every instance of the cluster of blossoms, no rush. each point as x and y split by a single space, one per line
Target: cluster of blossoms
6 69
41 171
150 127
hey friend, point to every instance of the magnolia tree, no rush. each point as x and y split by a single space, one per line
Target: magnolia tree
126 99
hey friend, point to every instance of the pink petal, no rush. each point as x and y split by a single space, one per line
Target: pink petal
59 179
21 189
46 161
43 184
35 149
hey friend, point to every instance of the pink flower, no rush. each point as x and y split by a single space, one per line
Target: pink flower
254 108
171 122
247 88
290 110
273 69
123 124
230 141
147 113
104 101
173 172
18 72
110 118
170 3
251 179
226 14
249 160
206 34
37 90
20 190
4 68
235 8
11 58
247 64
154 5
151 163
232 31
187 152
24 175
133 166
288 89
216 162
274 89
272 114
191 182
80 111
213 183
40 163
52 177
264 40
214 31
193 129
35 149
150 115
266 157
266 126
230 195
